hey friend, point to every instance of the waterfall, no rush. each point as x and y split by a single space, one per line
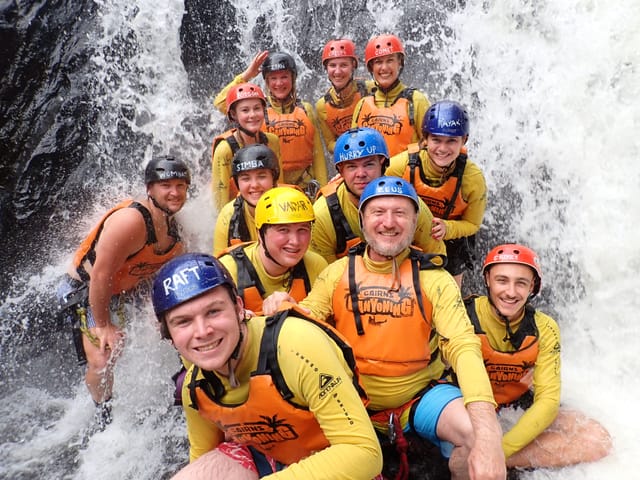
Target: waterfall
552 91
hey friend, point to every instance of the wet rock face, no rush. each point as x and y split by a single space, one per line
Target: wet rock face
45 112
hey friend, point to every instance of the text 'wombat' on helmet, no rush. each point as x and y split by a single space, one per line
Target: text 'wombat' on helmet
166 168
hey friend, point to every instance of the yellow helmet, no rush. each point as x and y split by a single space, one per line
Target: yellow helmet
283 205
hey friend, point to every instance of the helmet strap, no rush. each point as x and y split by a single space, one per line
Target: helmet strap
266 250
166 211
252 135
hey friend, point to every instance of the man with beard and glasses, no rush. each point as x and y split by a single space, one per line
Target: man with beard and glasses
404 317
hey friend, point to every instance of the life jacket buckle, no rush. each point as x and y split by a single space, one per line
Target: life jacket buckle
392 428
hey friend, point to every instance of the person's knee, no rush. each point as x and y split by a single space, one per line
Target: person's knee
454 425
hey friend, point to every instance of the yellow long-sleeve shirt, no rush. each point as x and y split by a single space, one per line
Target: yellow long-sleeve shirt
223 222
314 264
221 160
546 374
319 165
459 346
327 132
473 191
386 99
323 234
305 353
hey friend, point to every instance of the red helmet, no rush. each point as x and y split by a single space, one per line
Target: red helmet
339 49
514 253
382 45
242 92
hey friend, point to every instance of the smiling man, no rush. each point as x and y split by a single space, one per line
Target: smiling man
360 156
265 397
404 317
127 246
521 350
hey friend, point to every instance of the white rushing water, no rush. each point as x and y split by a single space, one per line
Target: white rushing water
552 89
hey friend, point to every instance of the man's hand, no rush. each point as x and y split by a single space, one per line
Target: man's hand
486 459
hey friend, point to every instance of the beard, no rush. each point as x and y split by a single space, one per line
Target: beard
388 249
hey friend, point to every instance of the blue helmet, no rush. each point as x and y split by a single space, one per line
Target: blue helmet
358 143
388 186
185 277
446 118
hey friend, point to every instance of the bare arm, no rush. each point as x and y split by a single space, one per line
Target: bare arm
486 459
124 233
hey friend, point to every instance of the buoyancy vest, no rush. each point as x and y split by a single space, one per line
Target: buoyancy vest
296 134
138 266
339 115
268 420
345 238
389 314
231 139
250 287
445 201
394 122
507 369
238 230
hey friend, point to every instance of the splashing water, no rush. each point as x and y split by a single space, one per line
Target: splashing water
551 88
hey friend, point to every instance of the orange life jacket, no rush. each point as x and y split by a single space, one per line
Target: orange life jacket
230 138
345 238
507 369
394 122
138 266
250 287
339 115
445 201
389 313
268 420
296 134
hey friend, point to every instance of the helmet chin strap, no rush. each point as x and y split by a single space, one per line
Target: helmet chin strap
254 136
166 211
509 333
266 251
233 381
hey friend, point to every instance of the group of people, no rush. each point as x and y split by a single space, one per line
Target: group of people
329 317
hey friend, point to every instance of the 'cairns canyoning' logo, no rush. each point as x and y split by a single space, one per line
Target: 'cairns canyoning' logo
267 432
382 304
383 123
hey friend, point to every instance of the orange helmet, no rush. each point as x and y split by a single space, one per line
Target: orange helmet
382 45
339 49
242 92
514 253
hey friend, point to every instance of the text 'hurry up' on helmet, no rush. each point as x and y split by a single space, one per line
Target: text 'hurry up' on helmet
386 187
515 253
358 143
166 168
282 205
254 157
381 46
278 61
244 91
185 277
446 118
339 49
